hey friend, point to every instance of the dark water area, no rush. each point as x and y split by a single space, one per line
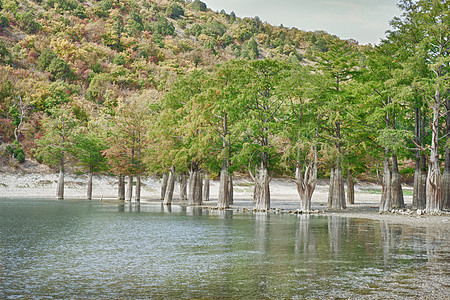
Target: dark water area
82 249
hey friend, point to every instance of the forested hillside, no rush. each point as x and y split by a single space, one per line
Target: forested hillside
153 87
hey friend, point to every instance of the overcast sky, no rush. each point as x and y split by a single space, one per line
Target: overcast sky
363 20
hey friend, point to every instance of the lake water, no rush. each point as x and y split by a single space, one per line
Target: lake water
81 249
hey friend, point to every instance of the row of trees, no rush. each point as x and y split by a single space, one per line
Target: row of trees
354 107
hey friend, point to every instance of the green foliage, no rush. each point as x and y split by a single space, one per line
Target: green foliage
226 40
28 23
58 139
64 5
80 12
120 59
174 11
198 5
195 30
59 69
250 49
98 87
16 151
59 92
163 27
4 21
88 148
135 24
45 59
182 23
214 29
4 53
101 9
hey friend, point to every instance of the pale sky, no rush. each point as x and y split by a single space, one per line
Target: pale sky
363 20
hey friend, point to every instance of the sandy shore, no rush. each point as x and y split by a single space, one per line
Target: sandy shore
284 197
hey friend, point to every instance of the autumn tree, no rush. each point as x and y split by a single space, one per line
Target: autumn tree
57 141
127 141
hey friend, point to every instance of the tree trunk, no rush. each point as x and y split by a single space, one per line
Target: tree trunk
170 187
386 199
223 188
350 188
331 188
138 188
417 184
433 189
206 187
121 191
396 186
164 185
423 183
263 199
306 184
89 185
446 175
195 187
256 192
230 189
183 187
60 186
130 188
338 200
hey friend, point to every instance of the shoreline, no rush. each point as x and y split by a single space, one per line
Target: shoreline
284 197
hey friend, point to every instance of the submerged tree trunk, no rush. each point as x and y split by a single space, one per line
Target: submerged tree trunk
350 188
433 189
89 185
170 187
206 186
306 184
223 188
446 174
420 179
130 188
263 196
331 188
338 200
183 187
121 191
138 188
60 186
164 185
420 173
195 186
386 199
396 186
230 189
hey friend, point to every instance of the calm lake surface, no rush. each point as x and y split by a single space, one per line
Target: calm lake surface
81 249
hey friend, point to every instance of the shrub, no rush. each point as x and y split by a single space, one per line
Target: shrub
59 69
163 27
4 22
4 53
16 151
195 30
45 59
182 23
20 156
120 60
174 11
28 23
80 12
199 5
